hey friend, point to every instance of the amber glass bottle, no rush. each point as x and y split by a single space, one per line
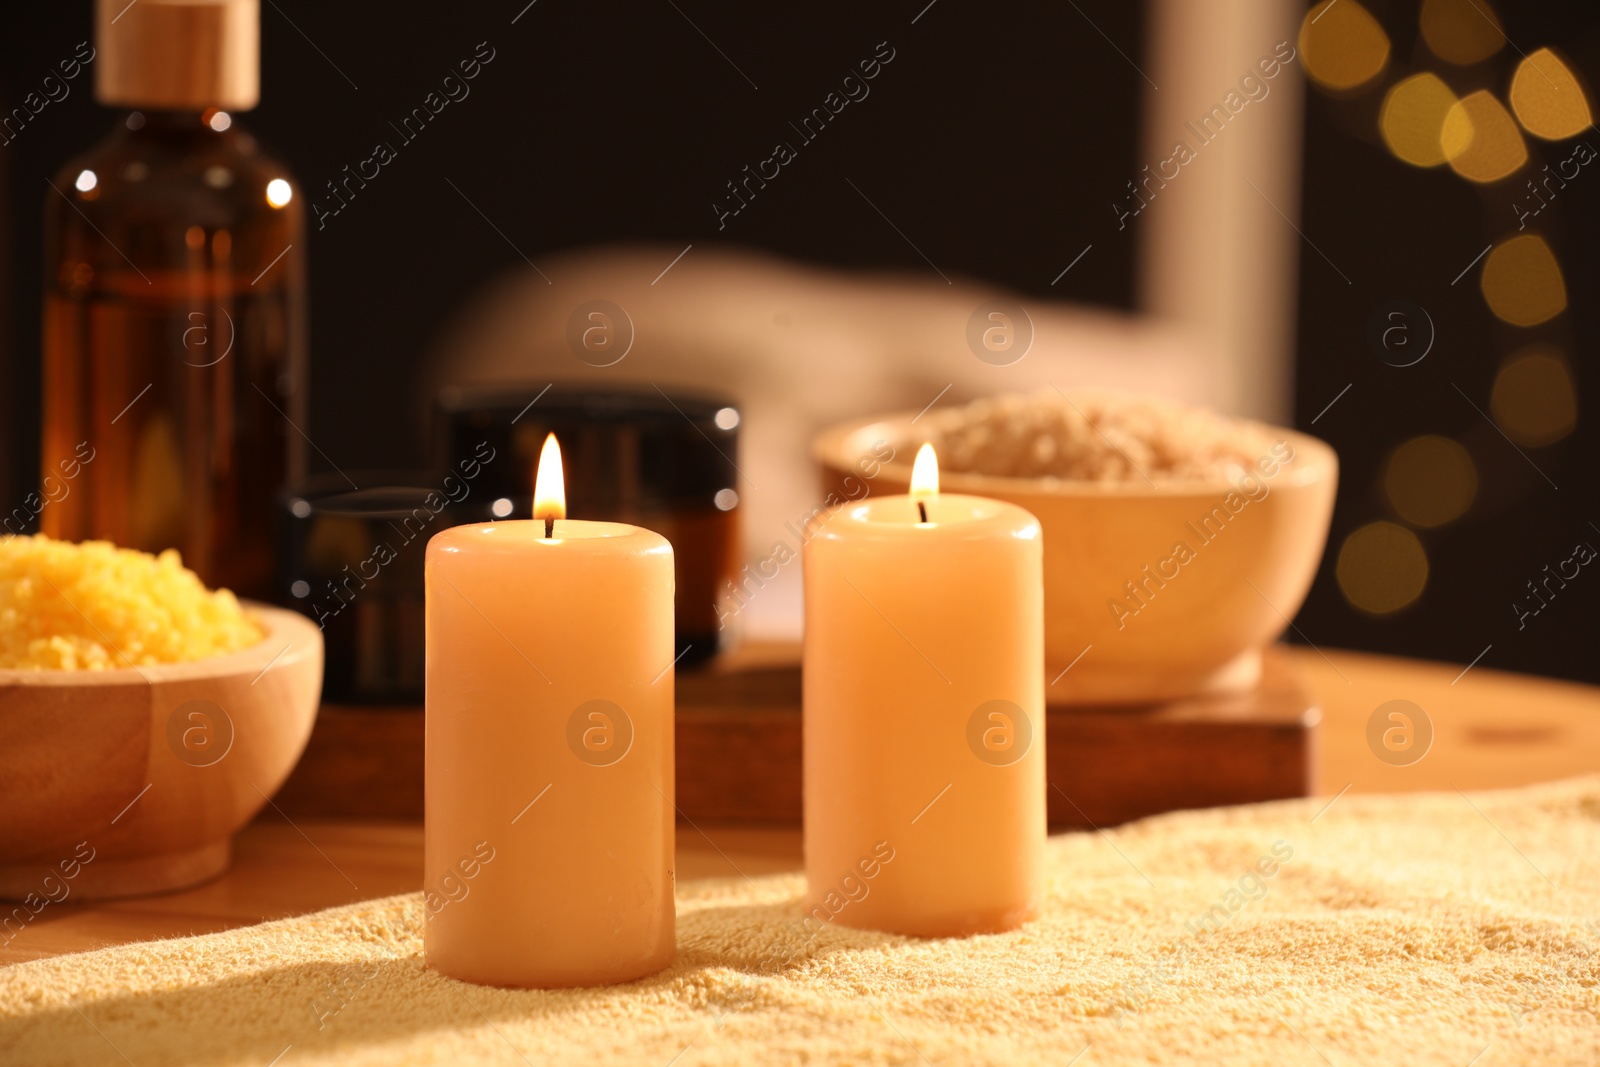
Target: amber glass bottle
174 303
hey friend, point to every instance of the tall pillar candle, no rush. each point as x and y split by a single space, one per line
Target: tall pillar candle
549 837
924 714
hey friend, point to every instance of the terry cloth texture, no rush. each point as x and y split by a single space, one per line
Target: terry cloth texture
1439 928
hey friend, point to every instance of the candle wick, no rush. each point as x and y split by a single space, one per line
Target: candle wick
549 526
922 509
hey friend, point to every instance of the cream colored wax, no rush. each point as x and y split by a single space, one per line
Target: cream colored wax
549 840
924 716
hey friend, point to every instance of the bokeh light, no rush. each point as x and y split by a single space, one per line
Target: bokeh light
1382 568
1522 281
279 192
1534 401
1430 480
1412 120
1481 140
1547 98
1342 45
1461 31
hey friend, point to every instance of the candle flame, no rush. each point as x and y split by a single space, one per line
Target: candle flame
925 473
550 483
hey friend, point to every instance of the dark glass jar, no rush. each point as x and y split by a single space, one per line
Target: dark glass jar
667 462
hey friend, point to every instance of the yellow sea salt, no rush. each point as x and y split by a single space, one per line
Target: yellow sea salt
94 606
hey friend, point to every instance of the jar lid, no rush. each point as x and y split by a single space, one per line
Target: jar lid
178 55
625 451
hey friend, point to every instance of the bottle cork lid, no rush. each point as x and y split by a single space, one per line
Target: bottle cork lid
178 55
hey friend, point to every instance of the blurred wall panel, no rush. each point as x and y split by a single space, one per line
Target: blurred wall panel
1218 188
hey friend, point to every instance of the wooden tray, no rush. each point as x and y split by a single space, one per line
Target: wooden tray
738 749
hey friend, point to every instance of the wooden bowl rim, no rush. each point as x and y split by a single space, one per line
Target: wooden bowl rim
289 637
828 448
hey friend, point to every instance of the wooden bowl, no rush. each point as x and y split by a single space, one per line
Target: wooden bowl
1197 626
119 782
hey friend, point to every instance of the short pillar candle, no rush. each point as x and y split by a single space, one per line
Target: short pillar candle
924 713
549 810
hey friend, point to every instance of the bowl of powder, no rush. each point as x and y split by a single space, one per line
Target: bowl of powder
143 719
1178 543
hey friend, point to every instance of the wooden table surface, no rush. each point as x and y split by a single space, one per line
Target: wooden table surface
1491 729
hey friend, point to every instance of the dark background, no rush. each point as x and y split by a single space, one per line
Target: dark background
1406 233
997 138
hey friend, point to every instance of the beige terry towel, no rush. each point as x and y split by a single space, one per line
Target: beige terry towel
1427 929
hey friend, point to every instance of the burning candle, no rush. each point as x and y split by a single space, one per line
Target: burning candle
549 837
924 713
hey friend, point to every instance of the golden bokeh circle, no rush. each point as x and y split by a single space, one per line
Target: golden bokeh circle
1412 118
1534 400
1547 98
1382 568
1430 480
1481 140
1522 281
1342 45
1461 31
